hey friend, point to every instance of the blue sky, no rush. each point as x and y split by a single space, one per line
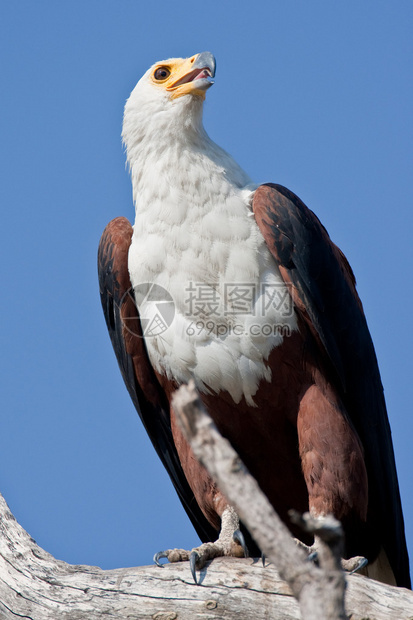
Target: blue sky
314 95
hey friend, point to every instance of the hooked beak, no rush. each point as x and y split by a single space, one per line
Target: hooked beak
194 76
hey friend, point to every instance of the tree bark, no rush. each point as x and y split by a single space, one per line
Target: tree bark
36 586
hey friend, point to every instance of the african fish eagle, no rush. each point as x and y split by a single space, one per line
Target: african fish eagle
240 288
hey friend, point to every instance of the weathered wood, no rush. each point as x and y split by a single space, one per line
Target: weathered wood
36 586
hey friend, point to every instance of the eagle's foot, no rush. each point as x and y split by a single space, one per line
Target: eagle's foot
230 543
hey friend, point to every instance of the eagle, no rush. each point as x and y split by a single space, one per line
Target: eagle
240 288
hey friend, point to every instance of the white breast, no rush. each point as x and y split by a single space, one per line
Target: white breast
231 305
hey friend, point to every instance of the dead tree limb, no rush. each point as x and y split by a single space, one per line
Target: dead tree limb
36 586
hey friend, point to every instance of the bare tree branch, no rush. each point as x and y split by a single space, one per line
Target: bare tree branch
35 585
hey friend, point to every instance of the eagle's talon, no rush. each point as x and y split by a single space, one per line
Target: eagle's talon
193 559
263 559
238 537
352 565
362 563
158 556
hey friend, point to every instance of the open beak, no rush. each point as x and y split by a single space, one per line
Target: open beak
195 76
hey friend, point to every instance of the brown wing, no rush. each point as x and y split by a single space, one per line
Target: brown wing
123 323
323 288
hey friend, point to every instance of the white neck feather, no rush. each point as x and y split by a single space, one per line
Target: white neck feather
166 144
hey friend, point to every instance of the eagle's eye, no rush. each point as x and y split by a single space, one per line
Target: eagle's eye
161 73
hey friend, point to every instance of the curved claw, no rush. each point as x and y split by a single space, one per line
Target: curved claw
263 559
193 559
362 563
238 537
158 556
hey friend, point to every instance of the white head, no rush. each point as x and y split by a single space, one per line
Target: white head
168 98
164 135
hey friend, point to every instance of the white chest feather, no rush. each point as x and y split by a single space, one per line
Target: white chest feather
195 236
